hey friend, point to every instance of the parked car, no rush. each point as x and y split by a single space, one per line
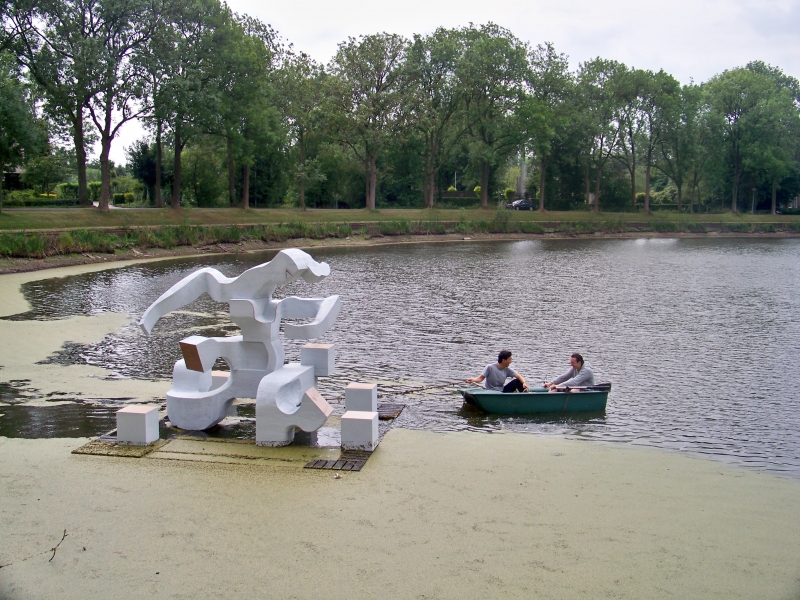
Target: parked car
521 204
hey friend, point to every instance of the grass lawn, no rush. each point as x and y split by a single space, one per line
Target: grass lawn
75 218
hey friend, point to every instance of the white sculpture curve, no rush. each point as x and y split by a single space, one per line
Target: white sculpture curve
199 400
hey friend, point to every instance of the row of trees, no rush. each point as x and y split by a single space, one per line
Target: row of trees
388 121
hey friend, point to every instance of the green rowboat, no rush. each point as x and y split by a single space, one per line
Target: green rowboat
538 400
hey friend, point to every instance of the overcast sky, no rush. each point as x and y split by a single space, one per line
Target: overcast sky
692 40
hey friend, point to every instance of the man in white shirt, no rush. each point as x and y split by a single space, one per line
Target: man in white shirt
496 375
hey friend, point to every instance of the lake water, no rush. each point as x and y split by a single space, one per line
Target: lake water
698 336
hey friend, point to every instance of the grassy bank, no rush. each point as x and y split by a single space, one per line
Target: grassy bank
76 218
80 231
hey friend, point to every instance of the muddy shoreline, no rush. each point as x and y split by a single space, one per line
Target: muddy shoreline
24 265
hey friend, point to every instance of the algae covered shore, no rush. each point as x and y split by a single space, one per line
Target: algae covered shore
459 515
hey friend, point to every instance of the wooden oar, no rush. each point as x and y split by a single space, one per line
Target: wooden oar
428 387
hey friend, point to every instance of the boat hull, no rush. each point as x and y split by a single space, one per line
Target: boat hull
523 403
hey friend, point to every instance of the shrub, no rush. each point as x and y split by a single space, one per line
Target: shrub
67 191
614 226
22 245
500 222
88 240
664 226
737 227
401 227
94 190
697 228
19 197
530 227
118 198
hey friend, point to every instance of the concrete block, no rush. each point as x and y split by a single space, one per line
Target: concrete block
359 430
137 425
361 396
320 356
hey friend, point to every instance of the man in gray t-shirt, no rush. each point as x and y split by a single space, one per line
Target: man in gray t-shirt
496 375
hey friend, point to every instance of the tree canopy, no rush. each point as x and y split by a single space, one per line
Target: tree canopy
443 118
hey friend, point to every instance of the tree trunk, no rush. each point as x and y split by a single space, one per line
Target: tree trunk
2 170
588 185
431 186
736 175
647 189
372 178
231 172
691 200
176 170
774 194
246 187
80 154
105 173
425 183
159 199
373 181
484 184
302 172
542 173
597 190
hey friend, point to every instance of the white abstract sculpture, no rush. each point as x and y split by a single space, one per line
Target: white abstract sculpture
285 395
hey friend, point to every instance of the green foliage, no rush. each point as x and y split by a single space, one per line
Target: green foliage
93 188
736 227
67 191
22 245
44 171
697 228
19 198
665 226
614 226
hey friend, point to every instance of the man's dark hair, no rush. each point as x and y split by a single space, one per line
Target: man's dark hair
578 357
504 354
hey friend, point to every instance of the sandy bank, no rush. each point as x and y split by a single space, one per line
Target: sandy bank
431 515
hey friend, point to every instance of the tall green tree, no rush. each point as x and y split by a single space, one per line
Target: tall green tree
245 116
776 148
492 70
124 30
600 82
681 147
21 135
59 45
737 100
436 98
546 109
300 92
368 91
189 88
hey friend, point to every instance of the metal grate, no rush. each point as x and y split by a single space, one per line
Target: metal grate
350 460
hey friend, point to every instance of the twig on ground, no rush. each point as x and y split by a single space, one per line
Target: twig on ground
57 545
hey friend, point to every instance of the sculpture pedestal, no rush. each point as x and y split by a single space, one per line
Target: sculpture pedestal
359 430
361 396
137 425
